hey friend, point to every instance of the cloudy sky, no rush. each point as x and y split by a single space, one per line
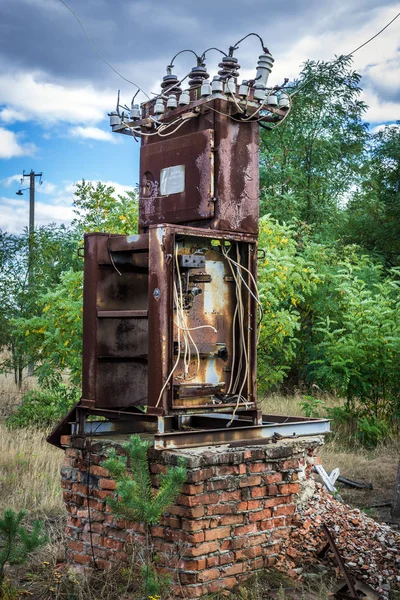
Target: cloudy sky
55 92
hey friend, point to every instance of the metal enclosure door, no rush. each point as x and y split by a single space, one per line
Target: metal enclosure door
115 327
177 179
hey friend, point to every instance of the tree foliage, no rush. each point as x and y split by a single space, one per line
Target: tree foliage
16 542
374 210
309 164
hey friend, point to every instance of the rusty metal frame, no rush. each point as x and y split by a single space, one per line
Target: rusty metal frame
160 306
195 430
130 341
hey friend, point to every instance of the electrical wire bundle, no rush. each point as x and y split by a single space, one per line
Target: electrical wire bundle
236 388
182 327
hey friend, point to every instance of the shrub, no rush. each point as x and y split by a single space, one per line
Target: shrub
137 500
16 543
43 408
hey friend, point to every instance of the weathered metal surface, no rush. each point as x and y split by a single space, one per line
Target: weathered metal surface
115 336
211 142
237 173
160 303
152 299
194 153
226 435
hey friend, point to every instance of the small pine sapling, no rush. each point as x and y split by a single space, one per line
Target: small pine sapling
137 501
16 543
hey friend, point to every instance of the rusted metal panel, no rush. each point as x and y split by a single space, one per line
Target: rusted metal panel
121 383
216 143
122 337
237 174
115 332
127 291
92 244
193 197
160 306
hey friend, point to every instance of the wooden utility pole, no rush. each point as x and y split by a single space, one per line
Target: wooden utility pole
31 231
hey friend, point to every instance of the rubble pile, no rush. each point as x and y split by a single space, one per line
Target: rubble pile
370 550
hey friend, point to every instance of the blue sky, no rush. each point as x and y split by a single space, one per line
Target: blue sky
55 93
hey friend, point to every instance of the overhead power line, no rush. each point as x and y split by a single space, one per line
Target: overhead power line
348 55
98 53
374 36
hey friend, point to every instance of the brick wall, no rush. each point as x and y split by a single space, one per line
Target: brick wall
229 522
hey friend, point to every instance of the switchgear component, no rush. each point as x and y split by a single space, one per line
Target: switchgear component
184 98
284 101
197 75
135 113
205 89
159 107
272 100
115 119
264 68
217 85
229 67
230 87
170 84
244 89
172 101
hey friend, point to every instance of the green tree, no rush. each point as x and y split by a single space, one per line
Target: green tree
97 208
374 210
136 499
361 354
23 281
285 280
310 163
16 543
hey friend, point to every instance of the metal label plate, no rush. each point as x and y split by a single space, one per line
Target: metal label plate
172 180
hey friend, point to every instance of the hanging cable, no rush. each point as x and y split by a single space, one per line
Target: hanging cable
307 81
236 46
98 53
171 64
213 48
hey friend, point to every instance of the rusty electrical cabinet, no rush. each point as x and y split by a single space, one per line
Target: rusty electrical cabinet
171 315
206 177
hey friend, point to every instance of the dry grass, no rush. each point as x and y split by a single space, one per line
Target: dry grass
10 395
277 404
29 473
377 466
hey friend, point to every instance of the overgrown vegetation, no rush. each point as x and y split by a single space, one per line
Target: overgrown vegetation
16 542
329 273
137 502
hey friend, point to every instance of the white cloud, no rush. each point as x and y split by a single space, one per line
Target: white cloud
9 181
93 133
46 188
383 126
380 111
14 212
379 61
29 96
11 146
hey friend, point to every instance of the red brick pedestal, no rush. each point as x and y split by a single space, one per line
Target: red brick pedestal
228 523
